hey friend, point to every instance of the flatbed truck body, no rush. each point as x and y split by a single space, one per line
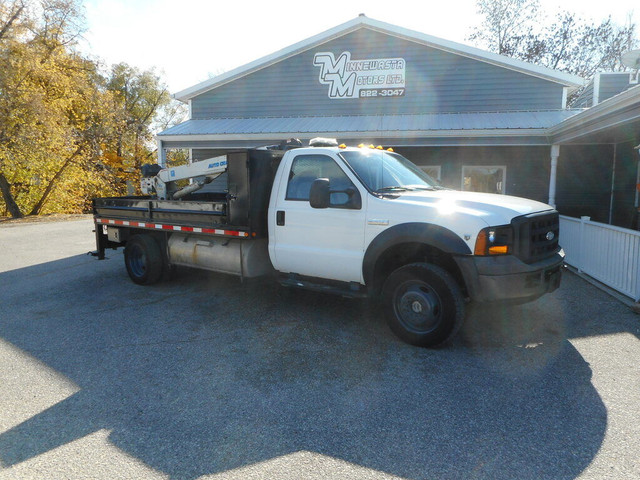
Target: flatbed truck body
360 222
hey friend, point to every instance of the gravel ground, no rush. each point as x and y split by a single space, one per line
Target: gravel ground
206 378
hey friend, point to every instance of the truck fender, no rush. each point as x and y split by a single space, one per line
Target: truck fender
426 233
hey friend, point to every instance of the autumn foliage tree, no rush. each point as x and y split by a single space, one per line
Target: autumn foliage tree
139 98
68 131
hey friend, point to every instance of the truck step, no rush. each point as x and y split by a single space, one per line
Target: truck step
350 290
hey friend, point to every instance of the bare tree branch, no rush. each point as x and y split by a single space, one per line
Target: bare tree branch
16 11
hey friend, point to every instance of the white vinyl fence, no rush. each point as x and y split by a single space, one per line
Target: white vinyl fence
606 253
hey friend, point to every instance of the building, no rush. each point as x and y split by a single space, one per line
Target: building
473 119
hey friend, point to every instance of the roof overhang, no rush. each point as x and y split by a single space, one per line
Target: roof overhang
615 120
489 128
568 80
418 139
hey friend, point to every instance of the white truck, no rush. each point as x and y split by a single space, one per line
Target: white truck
356 221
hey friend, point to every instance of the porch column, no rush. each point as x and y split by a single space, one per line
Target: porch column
162 154
555 153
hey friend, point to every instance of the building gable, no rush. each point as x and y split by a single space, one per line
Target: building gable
393 75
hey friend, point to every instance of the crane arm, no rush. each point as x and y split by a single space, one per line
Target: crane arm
163 183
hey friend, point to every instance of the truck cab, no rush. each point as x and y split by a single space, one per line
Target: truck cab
371 219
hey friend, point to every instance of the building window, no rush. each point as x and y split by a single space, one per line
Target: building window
434 171
488 179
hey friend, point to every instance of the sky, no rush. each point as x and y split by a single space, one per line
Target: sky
189 41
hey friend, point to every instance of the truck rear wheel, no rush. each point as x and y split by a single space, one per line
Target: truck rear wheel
423 304
143 259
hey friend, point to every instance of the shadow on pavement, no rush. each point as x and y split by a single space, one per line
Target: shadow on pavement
202 375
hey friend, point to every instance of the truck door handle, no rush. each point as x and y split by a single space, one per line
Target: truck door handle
280 218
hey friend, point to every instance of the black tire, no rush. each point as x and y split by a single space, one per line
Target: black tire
143 259
423 304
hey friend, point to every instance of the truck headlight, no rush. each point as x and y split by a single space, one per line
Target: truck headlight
494 241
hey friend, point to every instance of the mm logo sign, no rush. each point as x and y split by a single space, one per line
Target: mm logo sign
347 78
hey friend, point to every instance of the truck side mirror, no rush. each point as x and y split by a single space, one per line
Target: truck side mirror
320 195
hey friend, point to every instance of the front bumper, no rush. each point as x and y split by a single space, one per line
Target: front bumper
508 279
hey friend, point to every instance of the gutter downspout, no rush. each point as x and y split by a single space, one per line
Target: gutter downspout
596 89
613 182
555 153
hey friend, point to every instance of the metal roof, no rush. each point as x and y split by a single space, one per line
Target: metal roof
563 78
382 125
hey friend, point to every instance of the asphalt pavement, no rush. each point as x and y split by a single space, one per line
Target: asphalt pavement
203 377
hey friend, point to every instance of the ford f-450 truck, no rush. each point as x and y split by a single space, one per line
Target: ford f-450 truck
356 221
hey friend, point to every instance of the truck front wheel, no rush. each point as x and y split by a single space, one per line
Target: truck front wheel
143 259
423 304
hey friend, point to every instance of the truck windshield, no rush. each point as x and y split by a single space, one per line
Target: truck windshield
386 172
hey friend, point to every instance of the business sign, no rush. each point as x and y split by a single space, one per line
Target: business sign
371 78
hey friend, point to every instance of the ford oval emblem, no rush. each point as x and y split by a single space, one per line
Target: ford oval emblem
550 236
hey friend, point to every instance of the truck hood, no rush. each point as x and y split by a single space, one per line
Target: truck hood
492 208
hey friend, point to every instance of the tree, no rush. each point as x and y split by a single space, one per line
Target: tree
172 114
68 131
10 17
506 24
10 26
569 43
140 97
38 81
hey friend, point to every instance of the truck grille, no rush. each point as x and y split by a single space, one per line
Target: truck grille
536 236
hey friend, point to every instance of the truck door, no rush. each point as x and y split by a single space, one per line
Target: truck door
326 243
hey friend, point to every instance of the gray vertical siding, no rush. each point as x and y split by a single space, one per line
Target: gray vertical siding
528 168
624 211
436 82
612 84
198 154
220 183
584 181
585 99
